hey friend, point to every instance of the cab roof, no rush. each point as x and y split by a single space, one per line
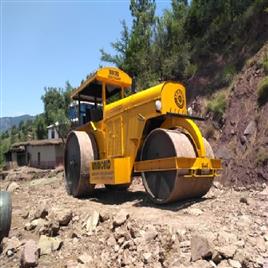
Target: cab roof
91 89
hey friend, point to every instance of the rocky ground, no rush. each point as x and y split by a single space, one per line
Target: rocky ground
226 228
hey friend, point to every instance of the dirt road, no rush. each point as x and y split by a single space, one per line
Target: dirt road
226 228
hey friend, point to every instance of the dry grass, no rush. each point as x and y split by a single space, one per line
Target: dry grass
217 104
262 91
262 156
265 63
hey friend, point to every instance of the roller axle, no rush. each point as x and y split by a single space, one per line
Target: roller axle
194 165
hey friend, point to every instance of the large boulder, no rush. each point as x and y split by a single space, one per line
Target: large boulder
200 248
120 218
12 187
250 129
36 224
30 255
63 216
85 258
49 244
40 212
227 251
11 245
92 222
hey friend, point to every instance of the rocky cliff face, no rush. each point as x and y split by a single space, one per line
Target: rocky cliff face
243 140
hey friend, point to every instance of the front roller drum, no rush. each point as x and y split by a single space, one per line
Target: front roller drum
168 186
80 148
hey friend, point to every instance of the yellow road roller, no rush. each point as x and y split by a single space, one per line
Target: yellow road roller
147 133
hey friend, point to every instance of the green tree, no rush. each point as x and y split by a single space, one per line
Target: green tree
53 100
172 55
134 50
4 147
62 124
215 25
56 102
185 38
4 135
40 127
121 46
67 96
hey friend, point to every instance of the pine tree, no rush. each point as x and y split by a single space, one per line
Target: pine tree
134 49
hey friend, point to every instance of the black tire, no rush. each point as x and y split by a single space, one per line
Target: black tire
5 214
80 148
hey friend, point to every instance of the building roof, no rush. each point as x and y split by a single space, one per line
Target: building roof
56 124
37 143
91 89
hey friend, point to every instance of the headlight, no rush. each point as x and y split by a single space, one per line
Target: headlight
158 105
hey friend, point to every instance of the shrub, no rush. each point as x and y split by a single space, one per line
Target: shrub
217 105
261 156
209 131
228 74
250 62
262 91
190 70
265 63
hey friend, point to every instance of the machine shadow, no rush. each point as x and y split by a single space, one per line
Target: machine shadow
108 197
175 206
139 199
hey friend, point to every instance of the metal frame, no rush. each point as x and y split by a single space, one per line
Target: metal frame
198 118
193 165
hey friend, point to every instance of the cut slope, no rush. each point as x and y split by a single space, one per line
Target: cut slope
243 143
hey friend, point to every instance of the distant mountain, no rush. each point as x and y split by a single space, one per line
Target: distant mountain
8 122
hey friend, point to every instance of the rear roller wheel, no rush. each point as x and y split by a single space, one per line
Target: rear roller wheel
168 186
80 148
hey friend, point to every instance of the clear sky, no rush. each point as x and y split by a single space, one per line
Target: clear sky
45 43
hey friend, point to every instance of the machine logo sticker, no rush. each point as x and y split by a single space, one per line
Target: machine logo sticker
114 75
105 164
179 98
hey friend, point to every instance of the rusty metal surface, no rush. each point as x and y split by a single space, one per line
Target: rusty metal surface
168 186
80 149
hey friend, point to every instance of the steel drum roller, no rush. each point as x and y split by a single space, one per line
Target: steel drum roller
80 148
171 185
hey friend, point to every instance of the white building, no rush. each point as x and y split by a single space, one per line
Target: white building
52 131
46 154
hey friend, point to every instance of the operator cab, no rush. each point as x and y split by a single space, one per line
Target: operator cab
101 88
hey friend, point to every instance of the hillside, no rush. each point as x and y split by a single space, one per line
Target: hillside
244 139
218 67
238 130
7 123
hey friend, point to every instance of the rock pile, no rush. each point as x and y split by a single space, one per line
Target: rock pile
51 229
